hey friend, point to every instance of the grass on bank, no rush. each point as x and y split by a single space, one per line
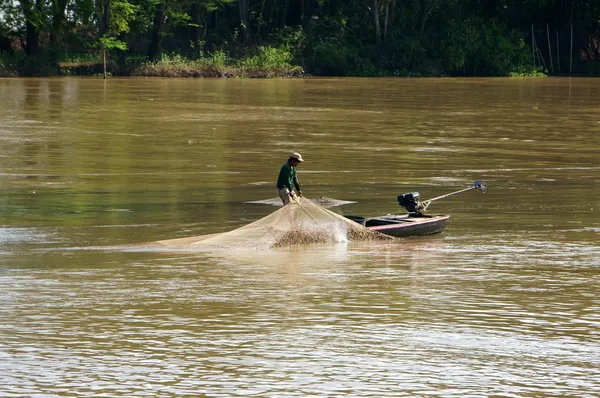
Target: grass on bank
267 62
264 62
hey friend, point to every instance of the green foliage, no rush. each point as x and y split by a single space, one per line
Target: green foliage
122 13
331 58
110 43
268 57
218 59
9 63
528 71
292 38
172 59
478 47
592 68
214 5
267 62
12 59
42 64
327 37
81 58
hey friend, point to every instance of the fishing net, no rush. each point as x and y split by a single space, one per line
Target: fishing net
322 201
298 223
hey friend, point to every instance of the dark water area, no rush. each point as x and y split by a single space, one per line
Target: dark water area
503 303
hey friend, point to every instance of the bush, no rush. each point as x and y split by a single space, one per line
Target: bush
87 63
87 58
43 64
477 47
329 58
9 63
219 59
592 68
268 57
268 62
528 70
294 40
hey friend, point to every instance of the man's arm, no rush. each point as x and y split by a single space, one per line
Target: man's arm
297 184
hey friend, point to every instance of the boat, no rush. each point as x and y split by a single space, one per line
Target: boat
404 225
416 222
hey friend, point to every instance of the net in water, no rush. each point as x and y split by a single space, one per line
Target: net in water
298 223
322 201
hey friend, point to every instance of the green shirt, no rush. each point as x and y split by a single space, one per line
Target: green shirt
287 177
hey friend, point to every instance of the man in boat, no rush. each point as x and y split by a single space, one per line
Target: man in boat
288 180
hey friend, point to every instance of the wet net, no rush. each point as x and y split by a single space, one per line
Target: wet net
301 222
322 201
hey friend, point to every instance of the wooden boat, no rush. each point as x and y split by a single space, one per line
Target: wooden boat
416 222
404 225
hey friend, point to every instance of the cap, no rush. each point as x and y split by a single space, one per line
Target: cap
297 156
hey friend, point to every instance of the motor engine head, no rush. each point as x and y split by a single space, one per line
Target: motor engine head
410 201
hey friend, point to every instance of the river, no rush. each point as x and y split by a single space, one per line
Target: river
503 303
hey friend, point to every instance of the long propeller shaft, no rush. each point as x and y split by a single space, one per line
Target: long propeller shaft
478 185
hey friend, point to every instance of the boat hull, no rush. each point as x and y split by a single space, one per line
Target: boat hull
404 225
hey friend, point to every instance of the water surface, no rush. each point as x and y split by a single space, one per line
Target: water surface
503 303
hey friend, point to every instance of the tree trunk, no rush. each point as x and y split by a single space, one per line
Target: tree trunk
272 12
33 40
284 13
262 18
377 24
197 28
572 12
204 23
103 13
387 18
425 12
58 26
393 12
244 6
30 11
160 18
58 21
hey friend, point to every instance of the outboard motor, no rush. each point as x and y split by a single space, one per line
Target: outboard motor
410 201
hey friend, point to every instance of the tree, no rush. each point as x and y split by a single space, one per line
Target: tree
116 16
57 26
377 22
9 23
244 6
167 14
199 11
35 19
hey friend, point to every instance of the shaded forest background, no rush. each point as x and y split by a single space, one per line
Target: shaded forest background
287 37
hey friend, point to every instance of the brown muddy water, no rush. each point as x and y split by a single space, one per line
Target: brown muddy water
504 303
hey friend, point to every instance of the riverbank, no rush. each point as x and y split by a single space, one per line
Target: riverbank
266 62
269 63
258 62
214 66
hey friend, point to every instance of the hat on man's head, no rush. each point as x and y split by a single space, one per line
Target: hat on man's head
296 156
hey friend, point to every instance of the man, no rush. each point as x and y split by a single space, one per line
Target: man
287 180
